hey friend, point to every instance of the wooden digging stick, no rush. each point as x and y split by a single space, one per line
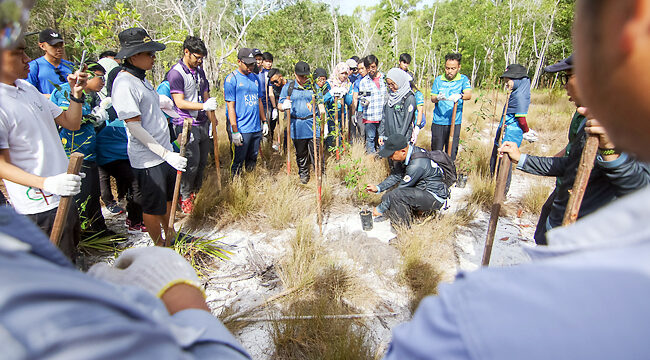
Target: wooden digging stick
317 169
318 148
337 127
287 117
215 141
503 130
179 174
74 165
499 196
582 178
450 144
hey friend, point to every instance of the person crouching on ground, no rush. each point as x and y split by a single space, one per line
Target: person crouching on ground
418 179
150 151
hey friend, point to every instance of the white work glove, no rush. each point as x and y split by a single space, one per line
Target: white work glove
414 135
265 129
63 184
100 114
531 136
274 114
286 105
337 92
165 102
175 160
237 139
455 97
154 269
441 97
106 103
210 105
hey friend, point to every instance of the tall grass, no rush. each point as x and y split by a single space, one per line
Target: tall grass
535 196
482 190
306 258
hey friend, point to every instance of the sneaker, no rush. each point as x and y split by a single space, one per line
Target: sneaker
114 208
135 228
187 205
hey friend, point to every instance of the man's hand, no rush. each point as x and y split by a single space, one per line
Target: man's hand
210 104
265 129
372 188
375 212
237 139
274 114
441 97
455 97
531 136
175 160
510 148
63 184
593 127
78 87
286 104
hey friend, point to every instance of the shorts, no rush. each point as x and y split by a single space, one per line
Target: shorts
155 188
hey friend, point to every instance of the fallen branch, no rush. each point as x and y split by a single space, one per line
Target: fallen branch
311 317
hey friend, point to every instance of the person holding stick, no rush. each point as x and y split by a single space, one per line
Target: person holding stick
297 96
615 173
338 90
33 163
149 147
276 83
448 92
51 69
190 91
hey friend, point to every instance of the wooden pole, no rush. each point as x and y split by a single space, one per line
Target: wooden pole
503 129
287 116
215 141
494 112
450 142
179 174
337 127
74 165
499 196
319 164
582 179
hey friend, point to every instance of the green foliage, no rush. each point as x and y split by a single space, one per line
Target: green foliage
201 252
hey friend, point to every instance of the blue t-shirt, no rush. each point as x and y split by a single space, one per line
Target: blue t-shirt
355 89
520 97
245 91
42 74
82 140
262 77
444 109
354 77
420 121
301 110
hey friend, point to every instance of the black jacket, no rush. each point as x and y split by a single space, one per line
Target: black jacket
608 180
420 173
399 118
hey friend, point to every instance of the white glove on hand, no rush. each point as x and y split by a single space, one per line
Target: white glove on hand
165 102
531 136
154 269
237 139
100 114
63 184
175 160
210 105
441 97
337 92
274 114
286 105
414 135
265 129
106 103
455 97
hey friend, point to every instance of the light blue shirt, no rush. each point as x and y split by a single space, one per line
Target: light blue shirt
585 296
245 91
444 109
48 309
43 75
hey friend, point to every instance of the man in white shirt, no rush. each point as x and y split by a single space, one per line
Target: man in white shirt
33 163
150 151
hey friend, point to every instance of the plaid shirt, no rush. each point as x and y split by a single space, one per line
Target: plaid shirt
375 111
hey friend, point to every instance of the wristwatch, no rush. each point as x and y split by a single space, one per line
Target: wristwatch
75 99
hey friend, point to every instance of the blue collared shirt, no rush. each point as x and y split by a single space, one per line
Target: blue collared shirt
43 75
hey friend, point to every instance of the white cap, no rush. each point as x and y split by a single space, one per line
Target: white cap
351 63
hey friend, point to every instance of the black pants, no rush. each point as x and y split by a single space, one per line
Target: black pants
540 230
305 156
91 213
402 202
123 173
197 149
71 231
440 138
105 186
493 163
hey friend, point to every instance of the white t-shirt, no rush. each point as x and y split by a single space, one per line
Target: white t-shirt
134 97
28 130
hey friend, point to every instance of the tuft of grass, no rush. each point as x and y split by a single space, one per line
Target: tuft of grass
482 191
535 197
422 278
200 252
299 269
100 244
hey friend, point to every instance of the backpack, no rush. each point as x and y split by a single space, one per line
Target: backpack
444 162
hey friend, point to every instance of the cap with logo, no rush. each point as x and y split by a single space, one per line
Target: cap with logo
257 52
134 41
351 64
394 143
246 56
50 36
320 72
301 68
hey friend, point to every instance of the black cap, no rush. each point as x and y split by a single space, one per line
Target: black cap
246 56
134 41
320 72
394 143
257 52
301 68
50 36
564 65
515 71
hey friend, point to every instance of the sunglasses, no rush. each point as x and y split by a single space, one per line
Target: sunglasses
353 69
198 57
62 77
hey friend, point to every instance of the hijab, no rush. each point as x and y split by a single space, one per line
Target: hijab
334 81
401 78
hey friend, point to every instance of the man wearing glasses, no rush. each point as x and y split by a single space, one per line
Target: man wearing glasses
191 94
50 69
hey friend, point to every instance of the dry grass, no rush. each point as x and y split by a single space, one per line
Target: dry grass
482 193
305 260
534 198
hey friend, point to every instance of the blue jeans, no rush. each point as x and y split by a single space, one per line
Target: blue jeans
371 137
246 155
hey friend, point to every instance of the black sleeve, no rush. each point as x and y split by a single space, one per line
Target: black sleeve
397 172
544 166
626 173
410 106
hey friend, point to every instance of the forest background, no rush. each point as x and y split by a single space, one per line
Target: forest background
489 33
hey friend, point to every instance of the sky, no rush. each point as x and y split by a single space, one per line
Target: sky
347 6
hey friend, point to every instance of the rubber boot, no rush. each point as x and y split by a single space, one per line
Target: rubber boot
303 168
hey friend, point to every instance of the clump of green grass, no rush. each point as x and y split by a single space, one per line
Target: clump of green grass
300 267
201 252
482 193
100 243
535 196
